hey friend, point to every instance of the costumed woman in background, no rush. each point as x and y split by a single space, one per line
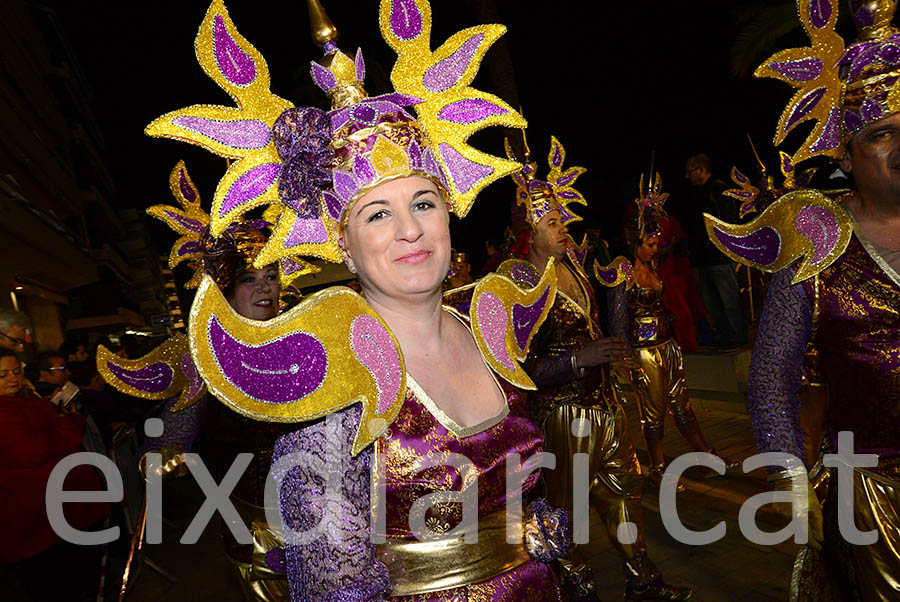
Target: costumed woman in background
369 185
34 438
658 381
570 362
836 283
193 419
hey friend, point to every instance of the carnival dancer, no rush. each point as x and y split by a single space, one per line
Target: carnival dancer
403 385
191 415
570 363
836 258
658 380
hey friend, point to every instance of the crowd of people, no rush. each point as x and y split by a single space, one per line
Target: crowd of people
414 403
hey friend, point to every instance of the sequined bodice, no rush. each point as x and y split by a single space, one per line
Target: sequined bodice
650 324
858 337
422 432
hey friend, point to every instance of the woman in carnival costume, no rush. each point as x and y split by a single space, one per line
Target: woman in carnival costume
404 388
836 259
570 362
168 373
658 381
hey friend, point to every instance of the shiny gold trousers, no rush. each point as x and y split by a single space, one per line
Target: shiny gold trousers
247 563
875 568
615 481
661 388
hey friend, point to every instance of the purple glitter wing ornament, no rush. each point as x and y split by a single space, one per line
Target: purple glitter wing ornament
328 352
614 274
803 223
505 316
160 374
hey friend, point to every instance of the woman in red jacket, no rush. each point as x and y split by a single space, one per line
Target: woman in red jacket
34 437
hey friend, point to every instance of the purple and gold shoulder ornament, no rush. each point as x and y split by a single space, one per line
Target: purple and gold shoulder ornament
617 272
507 309
165 372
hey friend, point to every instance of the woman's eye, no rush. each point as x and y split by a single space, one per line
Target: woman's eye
376 216
421 205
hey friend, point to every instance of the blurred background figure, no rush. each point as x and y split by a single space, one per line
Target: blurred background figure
717 274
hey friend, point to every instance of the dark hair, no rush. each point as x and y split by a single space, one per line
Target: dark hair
68 348
701 160
82 373
4 352
41 362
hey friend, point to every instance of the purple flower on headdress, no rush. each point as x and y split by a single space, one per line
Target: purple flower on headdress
302 137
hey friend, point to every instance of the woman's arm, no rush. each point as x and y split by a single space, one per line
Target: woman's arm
776 368
331 497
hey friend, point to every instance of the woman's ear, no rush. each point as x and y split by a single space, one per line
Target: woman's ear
845 163
348 260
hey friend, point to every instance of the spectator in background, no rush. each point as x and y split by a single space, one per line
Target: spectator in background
14 329
48 372
717 273
495 255
73 351
34 437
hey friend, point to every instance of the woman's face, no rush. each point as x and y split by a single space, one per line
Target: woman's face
398 238
255 293
10 376
648 249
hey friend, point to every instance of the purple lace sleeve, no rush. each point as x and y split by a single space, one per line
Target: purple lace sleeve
617 302
776 368
179 428
551 370
340 564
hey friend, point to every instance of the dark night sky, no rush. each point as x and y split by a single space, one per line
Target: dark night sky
613 81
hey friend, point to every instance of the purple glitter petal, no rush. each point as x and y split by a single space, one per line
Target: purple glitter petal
492 320
375 350
556 157
803 70
819 13
365 113
831 133
155 378
870 110
470 111
249 186
363 170
762 246
306 231
360 65
444 74
414 152
187 191
322 77
400 100
890 54
567 179
786 164
333 205
284 370
243 134
740 194
191 247
523 274
344 185
195 383
803 108
187 223
862 60
406 20
525 317
738 176
568 195
821 227
235 65
464 172
289 266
